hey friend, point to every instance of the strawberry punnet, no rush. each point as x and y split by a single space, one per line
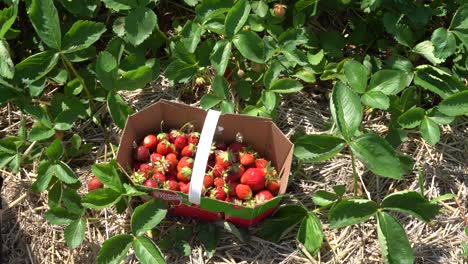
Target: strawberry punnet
255 178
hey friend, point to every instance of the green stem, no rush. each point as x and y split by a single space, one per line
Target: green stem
70 67
355 175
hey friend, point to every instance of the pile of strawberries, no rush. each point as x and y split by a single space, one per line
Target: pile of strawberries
235 173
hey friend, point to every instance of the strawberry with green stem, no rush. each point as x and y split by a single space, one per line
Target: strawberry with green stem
243 192
188 151
184 174
224 158
255 178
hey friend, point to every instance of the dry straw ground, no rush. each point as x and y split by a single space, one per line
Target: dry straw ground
28 238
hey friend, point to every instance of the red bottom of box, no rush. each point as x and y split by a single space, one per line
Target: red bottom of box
194 212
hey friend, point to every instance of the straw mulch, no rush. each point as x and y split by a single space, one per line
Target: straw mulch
28 238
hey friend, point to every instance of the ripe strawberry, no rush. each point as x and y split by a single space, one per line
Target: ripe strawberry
181 141
255 178
188 151
273 186
147 169
184 187
163 147
219 194
226 72
150 141
208 180
172 185
172 149
193 138
151 183
243 192
162 136
261 163
232 188
185 162
280 10
156 157
172 158
224 158
184 174
246 159
159 177
263 196
173 135
142 154
218 170
94 183
235 172
236 147
229 200
219 182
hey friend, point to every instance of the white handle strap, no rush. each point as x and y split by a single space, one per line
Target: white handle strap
201 157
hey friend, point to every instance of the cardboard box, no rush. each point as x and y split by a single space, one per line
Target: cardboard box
265 137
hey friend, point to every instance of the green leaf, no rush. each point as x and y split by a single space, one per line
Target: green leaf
441 119
339 189
64 173
459 24
118 5
430 131
324 198
316 148
54 198
310 233
285 85
72 201
393 240
376 99
412 203
60 216
209 236
139 24
107 173
44 176
389 81
377 155
306 74
346 110
316 58
81 35
55 150
250 45
411 118
147 216
401 32
147 252
45 20
220 56
132 191
236 17
212 8
220 86
437 81
209 101
283 221
444 43
7 18
75 233
179 71
190 36
135 79
106 70
101 198
35 67
118 109
227 107
114 249
356 75
455 105
426 49
351 212
260 8
81 8
7 68
332 43
269 100
271 75
240 234
443 197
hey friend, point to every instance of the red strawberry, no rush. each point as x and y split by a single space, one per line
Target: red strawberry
226 72
184 174
273 186
208 181
185 162
184 187
156 157
151 183
255 178
150 141
263 196
235 172
173 135
229 200
236 147
232 188
159 177
94 183
162 136
142 154
243 192
163 147
261 163
219 194
147 169
172 185
218 170
181 141
188 151
193 138
221 146
172 149
172 158
219 182
224 158
246 159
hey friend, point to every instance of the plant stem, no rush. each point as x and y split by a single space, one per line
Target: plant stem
355 175
69 66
